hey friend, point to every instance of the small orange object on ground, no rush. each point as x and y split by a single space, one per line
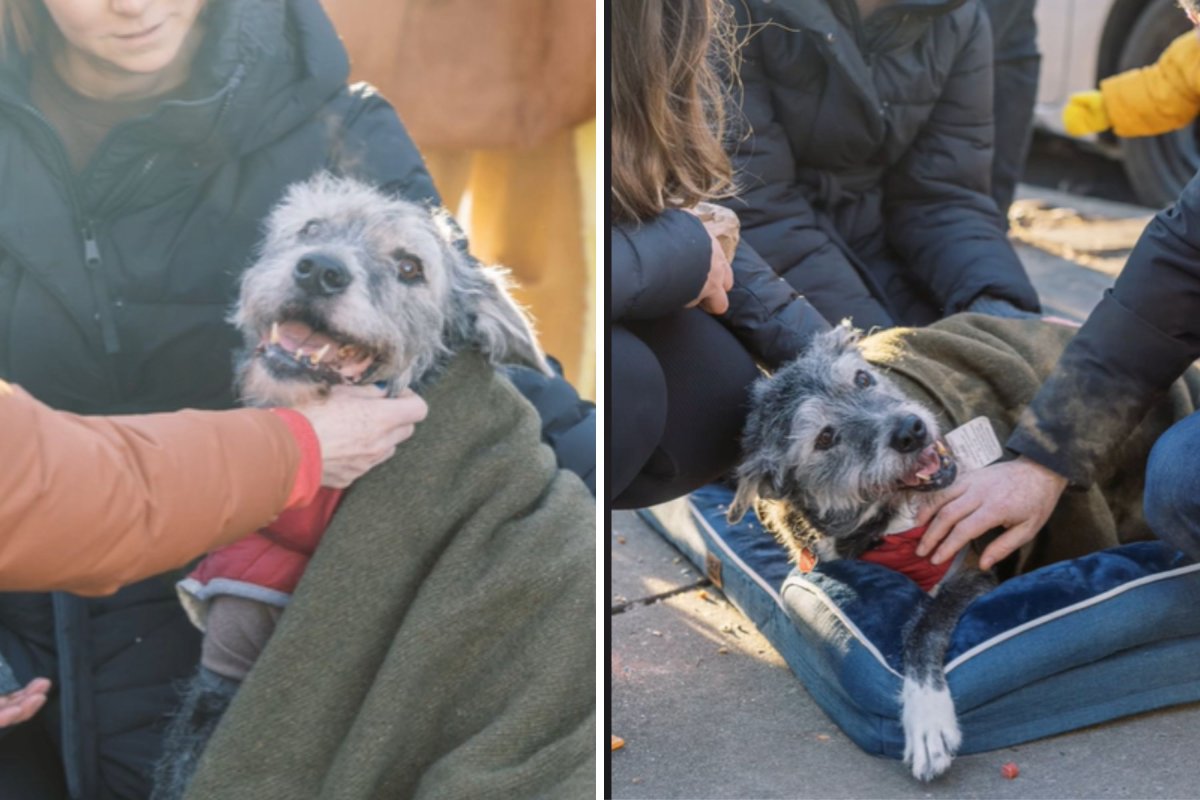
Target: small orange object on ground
616 742
1010 770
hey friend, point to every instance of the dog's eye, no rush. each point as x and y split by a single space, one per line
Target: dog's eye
312 227
863 379
826 439
408 266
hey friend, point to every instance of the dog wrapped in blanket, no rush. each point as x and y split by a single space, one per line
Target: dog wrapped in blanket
351 286
844 444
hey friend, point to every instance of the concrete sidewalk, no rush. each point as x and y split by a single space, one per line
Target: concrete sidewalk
708 709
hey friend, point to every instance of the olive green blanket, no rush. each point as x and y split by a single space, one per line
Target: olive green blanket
971 365
442 641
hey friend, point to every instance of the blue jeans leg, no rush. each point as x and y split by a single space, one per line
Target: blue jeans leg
1172 499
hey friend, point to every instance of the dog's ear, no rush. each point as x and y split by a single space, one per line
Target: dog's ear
755 481
841 338
745 496
494 323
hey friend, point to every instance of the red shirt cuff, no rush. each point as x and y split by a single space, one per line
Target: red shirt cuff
308 473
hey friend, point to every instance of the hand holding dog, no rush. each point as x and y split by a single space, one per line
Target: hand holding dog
359 428
20 706
1015 495
714 297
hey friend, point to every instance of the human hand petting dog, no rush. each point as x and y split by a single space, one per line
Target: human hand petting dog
1015 495
359 428
20 706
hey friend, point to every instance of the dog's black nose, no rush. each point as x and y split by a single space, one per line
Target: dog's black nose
909 435
321 275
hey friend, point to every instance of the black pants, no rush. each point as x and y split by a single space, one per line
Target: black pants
1014 37
30 767
678 402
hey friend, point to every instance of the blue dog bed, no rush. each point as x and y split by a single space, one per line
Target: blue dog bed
1071 644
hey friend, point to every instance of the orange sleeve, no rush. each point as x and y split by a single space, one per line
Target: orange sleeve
88 504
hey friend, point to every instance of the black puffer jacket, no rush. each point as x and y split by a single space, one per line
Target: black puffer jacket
660 265
114 286
865 174
1142 336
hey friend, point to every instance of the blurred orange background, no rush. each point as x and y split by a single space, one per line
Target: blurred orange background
500 97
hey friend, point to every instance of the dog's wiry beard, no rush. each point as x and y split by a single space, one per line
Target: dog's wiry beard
257 387
834 450
290 355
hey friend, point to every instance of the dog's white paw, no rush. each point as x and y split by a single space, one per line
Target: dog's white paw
931 734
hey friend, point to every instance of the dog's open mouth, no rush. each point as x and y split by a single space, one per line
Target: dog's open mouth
297 350
935 470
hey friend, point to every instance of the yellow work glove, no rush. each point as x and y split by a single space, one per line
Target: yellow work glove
1085 114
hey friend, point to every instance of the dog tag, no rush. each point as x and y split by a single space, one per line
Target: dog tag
974 444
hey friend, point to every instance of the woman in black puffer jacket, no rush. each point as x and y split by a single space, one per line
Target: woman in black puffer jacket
864 176
680 373
135 192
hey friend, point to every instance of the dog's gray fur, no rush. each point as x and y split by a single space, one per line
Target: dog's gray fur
202 704
837 500
414 325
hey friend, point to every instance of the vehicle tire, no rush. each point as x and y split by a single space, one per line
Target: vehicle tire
1158 166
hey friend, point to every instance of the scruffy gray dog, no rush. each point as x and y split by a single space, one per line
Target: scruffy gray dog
843 446
351 286
840 445
835 458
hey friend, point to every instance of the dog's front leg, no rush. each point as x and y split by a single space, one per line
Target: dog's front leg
931 733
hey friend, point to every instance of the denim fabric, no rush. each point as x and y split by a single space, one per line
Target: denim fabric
1172 499
1027 660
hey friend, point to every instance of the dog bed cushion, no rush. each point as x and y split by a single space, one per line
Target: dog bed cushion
1045 652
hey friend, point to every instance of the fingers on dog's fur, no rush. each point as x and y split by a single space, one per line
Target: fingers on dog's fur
831 459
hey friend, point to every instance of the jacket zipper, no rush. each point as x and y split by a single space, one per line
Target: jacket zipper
100 296
93 264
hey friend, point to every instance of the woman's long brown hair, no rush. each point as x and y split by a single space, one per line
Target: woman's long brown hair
668 104
23 21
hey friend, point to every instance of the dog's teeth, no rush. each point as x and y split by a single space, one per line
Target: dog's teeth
299 354
319 356
274 333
